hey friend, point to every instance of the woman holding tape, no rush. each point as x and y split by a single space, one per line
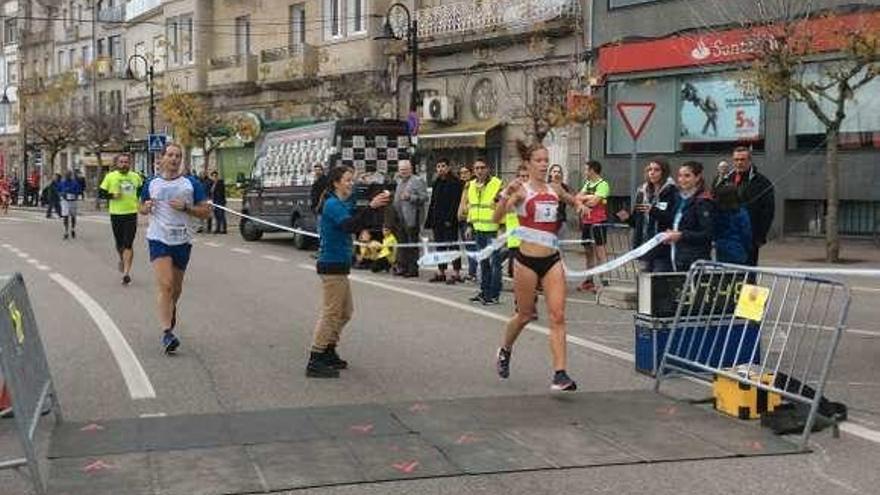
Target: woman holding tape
339 222
171 199
536 204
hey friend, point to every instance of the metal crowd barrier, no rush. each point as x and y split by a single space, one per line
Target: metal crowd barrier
26 372
618 243
785 326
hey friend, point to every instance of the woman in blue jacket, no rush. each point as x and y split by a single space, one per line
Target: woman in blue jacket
339 222
693 223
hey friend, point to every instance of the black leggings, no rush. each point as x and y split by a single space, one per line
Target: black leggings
540 265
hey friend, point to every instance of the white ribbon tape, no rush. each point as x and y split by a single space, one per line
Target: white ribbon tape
535 236
620 260
435 258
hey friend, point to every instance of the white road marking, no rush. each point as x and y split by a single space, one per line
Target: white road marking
7 246
154 415
33 261
865 289
275 258
867 333
43 268
213 244
23 255
848 427
139 386
241 250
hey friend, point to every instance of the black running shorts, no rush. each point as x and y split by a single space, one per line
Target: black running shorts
124 230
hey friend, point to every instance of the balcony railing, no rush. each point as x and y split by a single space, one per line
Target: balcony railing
282 53
486 15
137 8
227 61
112 14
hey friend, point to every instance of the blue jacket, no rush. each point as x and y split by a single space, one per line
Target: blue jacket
339 220
733 236
72 187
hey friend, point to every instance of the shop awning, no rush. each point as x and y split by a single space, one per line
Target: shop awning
468 135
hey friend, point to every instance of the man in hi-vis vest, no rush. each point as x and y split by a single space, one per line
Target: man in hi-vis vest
479 204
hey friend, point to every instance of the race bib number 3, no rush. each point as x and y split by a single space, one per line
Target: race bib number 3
545 211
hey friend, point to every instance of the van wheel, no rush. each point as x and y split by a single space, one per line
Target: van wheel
300 241
249 231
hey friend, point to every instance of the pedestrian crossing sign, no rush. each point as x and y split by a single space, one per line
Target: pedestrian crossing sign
157 142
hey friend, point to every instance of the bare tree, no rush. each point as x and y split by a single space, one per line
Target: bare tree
54 133
353 97
100 133
785 65
195 122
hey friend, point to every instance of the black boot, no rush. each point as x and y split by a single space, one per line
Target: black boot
334 360
318 366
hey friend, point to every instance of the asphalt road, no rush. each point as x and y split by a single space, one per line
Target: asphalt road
246 318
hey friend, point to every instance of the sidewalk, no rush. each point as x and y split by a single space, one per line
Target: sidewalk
856 253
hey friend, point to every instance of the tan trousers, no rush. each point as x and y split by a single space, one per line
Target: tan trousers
335 313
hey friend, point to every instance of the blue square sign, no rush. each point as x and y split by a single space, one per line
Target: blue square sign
157 142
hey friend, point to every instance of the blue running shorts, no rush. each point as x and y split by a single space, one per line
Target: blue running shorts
179 254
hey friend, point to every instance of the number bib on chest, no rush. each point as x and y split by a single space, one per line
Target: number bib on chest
176 234
545 211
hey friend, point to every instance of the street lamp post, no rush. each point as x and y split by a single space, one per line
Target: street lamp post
129 74
6 104
399 24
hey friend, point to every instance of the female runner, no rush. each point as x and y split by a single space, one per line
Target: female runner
536 203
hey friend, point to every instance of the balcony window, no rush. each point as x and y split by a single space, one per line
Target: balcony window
186 39
243 35
10 31
333 19
297 35
356 15
172 42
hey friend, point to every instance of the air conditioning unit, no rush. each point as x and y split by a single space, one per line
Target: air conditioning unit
438 109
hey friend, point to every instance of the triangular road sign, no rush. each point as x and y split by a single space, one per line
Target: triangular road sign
636 116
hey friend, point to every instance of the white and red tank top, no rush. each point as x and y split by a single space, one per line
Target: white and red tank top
539 210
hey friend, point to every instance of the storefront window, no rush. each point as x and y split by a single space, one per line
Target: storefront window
699 114
659 135
860 130
715 112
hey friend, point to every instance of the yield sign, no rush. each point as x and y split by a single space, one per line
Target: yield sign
636 117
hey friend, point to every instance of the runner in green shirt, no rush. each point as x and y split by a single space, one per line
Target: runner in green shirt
593 231
122 187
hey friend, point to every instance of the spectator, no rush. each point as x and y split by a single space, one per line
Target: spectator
367 251
442 217
409 197
756 194
465 228
692 225
593 231
479 203
319 185
14 188
387 251
81 180
218 197
51 197
4 193
721 174
653 212
733 229
206 224
556 176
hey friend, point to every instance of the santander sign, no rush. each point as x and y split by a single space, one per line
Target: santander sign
727 46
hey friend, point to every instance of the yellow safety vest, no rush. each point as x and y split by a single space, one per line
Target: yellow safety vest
511 221
481 204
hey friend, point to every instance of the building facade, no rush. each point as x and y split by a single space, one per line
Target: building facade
10 138
488 72
686 59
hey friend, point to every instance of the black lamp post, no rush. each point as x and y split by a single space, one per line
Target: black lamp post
399 28
6 104
129 74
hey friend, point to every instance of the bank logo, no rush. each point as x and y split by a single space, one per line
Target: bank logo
701 52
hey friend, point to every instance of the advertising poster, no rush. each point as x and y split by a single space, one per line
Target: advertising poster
716 109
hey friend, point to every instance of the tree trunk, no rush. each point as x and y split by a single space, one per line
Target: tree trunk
832 195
